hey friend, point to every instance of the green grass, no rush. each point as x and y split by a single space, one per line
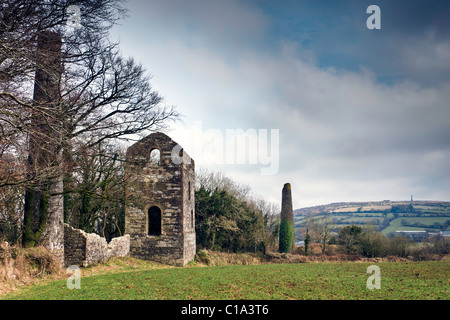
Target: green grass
436 209
396 224
365 220
399 280
426 220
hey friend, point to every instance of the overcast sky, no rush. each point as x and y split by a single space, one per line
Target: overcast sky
361 115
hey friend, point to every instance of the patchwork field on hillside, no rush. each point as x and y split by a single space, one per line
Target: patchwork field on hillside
385 216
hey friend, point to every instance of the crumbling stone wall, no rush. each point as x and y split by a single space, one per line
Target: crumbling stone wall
167 185
84 249
188 180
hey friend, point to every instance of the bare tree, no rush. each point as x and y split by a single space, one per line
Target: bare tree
211 180
96 200
320 228
77 91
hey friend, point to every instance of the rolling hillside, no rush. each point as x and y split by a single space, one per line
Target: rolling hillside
386 216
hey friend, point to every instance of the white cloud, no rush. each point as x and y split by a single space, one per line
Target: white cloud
343 136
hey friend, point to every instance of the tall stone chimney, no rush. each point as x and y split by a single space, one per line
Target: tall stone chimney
45 198
287 212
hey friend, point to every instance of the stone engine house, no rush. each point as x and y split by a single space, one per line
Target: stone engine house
160 211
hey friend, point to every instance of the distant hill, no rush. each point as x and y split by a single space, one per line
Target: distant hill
387 216
421 205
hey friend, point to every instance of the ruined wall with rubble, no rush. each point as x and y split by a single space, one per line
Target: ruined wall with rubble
161 187
188 181
84 249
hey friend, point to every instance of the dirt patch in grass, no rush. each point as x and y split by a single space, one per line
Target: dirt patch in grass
122 264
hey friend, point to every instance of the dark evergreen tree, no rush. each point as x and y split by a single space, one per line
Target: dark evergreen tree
307 241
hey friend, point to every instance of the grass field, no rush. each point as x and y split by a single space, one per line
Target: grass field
399 280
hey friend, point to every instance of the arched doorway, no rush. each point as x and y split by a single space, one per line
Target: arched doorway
154 221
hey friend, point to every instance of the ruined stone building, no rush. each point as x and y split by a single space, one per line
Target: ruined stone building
160 211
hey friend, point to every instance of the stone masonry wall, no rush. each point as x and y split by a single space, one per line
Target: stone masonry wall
163 185
84 249
74 246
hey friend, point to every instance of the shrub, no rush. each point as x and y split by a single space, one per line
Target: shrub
441 245
423 252
348 237
202 257
400 246
11 263
18 265
42 261
373 244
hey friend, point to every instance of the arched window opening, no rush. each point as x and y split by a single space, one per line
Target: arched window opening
155 157
154 221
